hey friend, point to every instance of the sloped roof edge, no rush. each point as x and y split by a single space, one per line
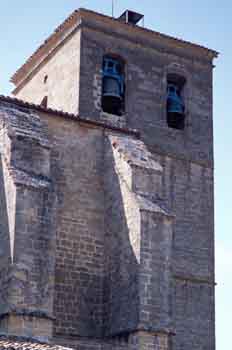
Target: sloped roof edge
16 77
75 117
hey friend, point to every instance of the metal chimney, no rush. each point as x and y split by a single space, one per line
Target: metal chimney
131 17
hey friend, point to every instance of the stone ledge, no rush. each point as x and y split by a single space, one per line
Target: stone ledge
147 205
28 313
23 178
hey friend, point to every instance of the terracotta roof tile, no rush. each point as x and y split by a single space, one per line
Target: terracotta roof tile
17 343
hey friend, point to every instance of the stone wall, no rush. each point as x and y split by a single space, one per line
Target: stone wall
123 262
139 234
146 85
27 274
61 86
186 156
114 247
188 192
76 168
5 250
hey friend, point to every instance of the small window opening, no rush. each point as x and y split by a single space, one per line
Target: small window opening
45 79
44 102
113 86
175 101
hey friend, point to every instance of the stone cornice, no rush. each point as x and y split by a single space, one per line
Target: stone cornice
144 36
105 23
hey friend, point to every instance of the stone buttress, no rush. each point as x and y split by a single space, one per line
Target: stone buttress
27 235
138 246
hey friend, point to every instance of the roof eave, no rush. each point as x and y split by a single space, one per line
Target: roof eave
44 49
68 116
74 21
85 14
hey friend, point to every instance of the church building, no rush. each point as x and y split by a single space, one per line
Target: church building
107 191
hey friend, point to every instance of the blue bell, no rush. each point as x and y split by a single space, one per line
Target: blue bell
113 86
113 82
174 101
175 108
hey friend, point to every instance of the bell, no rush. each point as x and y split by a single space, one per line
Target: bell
111 98
175 108
111 87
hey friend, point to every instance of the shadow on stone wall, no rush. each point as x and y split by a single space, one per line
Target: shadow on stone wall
5 255
96 268
121 288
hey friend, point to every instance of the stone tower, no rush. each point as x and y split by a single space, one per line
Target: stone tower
107 216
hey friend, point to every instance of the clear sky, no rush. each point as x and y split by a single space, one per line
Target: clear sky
25 24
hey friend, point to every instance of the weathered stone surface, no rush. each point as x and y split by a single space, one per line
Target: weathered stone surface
139 239
61 82
107 240
27 278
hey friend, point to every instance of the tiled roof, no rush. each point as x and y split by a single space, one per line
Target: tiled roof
34 106
54 112
23 344
74 15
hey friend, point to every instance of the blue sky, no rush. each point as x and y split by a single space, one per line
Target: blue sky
25 24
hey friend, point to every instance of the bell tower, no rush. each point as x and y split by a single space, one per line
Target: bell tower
158 285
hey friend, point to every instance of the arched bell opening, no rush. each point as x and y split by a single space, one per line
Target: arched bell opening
113 86
175 102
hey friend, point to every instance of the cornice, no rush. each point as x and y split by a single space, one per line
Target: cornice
143 36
